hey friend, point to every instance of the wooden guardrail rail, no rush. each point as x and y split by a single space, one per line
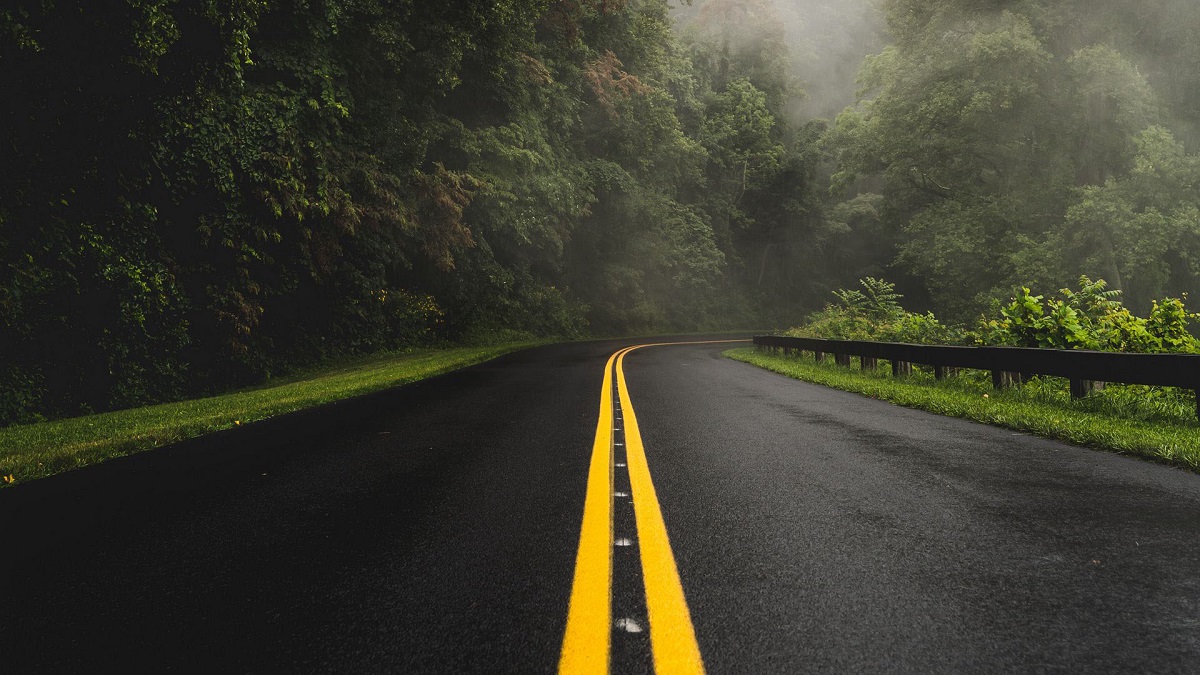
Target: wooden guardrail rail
1008 365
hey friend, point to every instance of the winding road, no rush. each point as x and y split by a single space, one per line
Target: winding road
663 510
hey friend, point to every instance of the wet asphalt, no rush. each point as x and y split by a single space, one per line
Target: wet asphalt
433 528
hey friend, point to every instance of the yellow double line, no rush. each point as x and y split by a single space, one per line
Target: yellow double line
588 641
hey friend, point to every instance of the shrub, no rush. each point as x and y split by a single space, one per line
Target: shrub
1091 318
874 313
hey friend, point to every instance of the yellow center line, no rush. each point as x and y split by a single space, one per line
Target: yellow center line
672 637
588 640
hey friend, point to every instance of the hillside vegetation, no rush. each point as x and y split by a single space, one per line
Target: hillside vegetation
196 195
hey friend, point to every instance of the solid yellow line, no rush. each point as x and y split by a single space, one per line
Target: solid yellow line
586 644
672 636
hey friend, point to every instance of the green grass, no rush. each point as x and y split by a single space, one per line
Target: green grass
1155 423
31 451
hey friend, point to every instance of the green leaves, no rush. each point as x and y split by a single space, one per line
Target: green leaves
1026 323
1141 229
878 300
1090 318
874 313
737 134
1016 144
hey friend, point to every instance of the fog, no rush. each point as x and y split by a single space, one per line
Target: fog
826 42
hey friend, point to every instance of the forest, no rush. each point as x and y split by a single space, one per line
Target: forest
196 195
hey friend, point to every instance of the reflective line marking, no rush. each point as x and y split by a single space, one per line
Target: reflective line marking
629 625
587 642
672 636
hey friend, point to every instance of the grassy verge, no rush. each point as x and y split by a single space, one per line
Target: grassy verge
32 451
1141 421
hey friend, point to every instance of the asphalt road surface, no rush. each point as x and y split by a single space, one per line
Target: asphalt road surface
437 528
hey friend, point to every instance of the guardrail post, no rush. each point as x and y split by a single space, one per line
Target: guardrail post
842 359
868 362
818 356
1003 378
942 372
901 368
1081 388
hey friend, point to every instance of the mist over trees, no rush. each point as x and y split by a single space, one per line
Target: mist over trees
1008 143
196 194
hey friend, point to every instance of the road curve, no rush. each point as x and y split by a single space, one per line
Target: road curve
438 531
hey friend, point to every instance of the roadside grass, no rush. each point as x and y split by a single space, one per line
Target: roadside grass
1152 422
31 451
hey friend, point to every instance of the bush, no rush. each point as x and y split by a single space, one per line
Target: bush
1091 318
874 313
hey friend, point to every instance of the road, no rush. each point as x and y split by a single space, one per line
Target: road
441 528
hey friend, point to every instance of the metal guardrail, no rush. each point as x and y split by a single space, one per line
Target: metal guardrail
1009 365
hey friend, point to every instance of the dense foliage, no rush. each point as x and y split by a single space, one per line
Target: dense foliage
875 313
1092 317
196 194
1029 142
